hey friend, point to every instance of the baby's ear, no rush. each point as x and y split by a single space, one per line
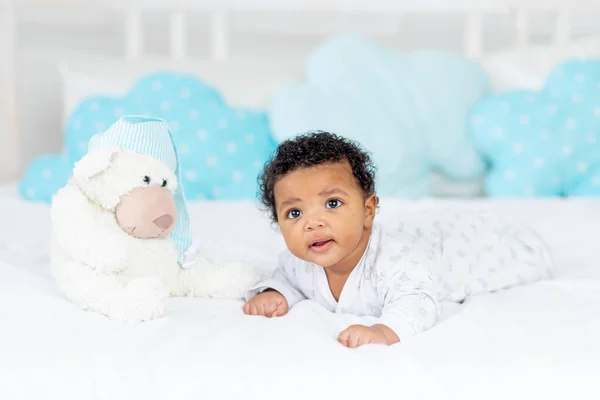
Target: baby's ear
93 163
371 206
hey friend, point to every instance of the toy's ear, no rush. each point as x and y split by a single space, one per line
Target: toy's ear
93 163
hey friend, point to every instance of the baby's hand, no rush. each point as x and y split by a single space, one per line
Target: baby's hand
358 335
270 304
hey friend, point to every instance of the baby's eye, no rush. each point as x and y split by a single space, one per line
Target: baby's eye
164 183
334 203
294 214
146 179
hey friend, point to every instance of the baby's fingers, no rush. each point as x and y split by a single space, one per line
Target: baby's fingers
279 311
252 309
354 339
344 336
260 309
363 339
270 308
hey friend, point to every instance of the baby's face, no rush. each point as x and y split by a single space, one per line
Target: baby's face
324 216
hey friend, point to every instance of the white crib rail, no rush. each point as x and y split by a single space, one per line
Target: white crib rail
220 10
473 40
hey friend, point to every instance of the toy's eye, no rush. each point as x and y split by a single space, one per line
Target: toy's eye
164 184
146 179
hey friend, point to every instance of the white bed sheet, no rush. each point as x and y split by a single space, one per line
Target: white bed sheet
535 341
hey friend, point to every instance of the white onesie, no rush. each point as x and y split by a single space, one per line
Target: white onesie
406 273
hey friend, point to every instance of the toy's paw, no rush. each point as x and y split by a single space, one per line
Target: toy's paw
225 280
144 300
114 260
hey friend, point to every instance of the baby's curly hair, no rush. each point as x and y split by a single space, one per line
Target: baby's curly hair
309 150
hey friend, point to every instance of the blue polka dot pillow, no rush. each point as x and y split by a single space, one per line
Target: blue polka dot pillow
544 143
221 148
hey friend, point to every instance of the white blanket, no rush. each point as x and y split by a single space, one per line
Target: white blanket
534 341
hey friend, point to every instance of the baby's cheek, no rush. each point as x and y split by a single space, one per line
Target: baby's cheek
350 242
294 242
352 232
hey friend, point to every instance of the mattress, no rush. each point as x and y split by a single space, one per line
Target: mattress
535 341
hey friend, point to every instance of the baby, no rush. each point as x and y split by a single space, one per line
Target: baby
320 189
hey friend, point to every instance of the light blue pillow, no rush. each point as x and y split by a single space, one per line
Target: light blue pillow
544 143
409 110
44 176
221 148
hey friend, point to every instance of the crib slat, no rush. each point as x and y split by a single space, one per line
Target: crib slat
522 27
473 38
178 28
134 34
564 26
220 35
9 132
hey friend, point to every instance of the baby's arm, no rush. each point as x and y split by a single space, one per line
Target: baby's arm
407 290
410 305
275 296
410 308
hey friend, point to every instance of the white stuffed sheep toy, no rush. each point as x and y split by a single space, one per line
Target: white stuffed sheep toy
121 230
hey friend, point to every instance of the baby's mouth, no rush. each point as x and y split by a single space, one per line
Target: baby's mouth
320 244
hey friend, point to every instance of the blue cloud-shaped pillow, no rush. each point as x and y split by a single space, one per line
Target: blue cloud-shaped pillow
544 143
44 176
221 148
410 111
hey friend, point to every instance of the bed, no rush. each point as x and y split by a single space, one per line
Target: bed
533 341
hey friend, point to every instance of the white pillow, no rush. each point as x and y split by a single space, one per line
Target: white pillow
245 83
527 67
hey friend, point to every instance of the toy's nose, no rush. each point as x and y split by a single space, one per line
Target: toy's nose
164 221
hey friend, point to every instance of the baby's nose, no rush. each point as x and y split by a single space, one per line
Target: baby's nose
314 223
164 221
